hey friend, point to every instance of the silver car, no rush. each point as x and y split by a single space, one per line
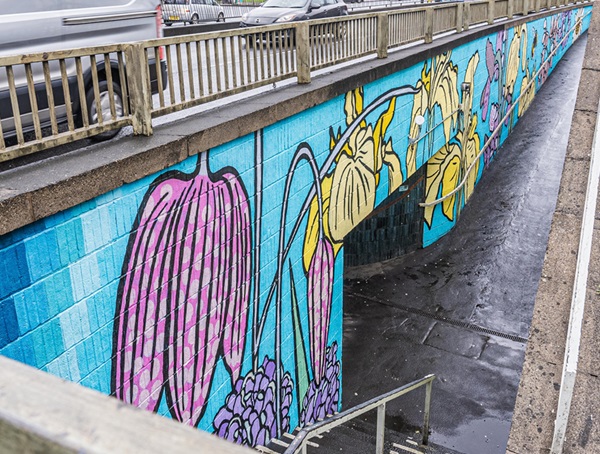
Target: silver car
191 11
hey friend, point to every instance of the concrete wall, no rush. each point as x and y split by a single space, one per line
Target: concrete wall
180 292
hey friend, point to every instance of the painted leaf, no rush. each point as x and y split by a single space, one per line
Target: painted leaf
302 378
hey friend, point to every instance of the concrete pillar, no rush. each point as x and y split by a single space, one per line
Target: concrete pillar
491 12
138 82
302 53
383 34
459 17
429 25
466 15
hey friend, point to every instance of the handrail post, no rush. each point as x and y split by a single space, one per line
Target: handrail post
138 87
459 17
491 13
383 34
466 15
303 53
429 25
426 412
380 435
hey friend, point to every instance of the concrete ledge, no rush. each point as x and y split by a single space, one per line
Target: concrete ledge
535 409
42 413
38 190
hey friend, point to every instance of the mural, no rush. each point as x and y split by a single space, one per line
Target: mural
212 293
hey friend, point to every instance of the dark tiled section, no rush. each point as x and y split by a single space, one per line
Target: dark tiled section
394 229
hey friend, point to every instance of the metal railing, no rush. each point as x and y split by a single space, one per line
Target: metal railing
53 98
303 437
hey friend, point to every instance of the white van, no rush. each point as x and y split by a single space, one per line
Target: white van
33 26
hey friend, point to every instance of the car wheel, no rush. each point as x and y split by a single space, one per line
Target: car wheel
221 18
195 19
168 24
105 106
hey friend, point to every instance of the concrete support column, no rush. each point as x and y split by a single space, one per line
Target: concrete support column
429 25
525 7
383 34
491 12
140 97
459 17
466 15
303 53
511 9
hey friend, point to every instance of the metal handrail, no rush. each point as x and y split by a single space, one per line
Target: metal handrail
300 442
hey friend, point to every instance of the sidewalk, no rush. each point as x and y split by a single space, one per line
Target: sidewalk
543 379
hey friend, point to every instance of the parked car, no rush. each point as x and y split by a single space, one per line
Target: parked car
281 11
191 11
35 26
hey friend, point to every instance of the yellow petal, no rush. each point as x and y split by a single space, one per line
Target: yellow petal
436 168
379 136
444 91
450 179
352 196
392 162
311 237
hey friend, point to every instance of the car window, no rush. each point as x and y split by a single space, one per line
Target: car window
174 2
284 3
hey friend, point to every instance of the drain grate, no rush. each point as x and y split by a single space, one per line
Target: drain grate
441 318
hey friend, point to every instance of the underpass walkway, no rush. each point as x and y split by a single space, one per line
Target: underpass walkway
462 308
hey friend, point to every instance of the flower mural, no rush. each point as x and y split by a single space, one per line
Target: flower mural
186 270
184 311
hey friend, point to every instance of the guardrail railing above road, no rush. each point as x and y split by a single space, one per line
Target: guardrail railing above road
53 98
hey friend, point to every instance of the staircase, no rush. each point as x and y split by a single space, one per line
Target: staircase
349 432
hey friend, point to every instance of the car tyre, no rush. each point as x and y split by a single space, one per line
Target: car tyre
195 19
104 102
221 17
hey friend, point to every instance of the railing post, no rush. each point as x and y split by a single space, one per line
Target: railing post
429 24
138 86
383 34
511 9
459 17
303 53
491 13
466 15
426 412
379 436
536 5
525 7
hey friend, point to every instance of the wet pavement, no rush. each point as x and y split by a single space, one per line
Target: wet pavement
462 308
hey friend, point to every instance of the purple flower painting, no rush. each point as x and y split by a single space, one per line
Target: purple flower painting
249 414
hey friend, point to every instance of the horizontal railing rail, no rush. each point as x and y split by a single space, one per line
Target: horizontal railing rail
300 442
53 98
